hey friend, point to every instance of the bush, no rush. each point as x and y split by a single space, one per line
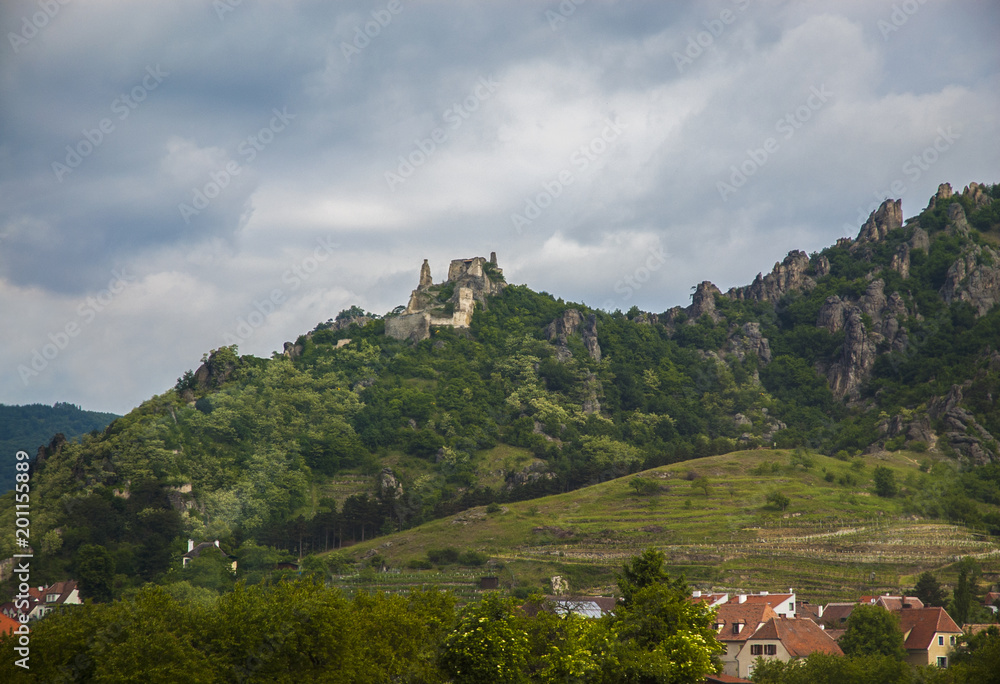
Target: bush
419 564
472 558
445 556
779 500
643 485
493 507
885 482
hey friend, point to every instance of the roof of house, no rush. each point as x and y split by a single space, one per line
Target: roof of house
197 550
897 603
808 610
976 628
836 613
919 626
725 679
769 599
586 606
63 589
990 597
710 599
8 624
750 614
799 636
835 634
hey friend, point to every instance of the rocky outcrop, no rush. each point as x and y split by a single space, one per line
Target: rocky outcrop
788 276
974 278
976 193
943 192
857 358
832 315
571 322
961 430
958 224
703 302
887 217
920 239
425 276
822 266
389 486
215 371
900 262
748 339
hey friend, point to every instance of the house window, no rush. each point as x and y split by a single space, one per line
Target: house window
737 626
791 607
770 649
756 649
952 639
942 661
940 640
718 626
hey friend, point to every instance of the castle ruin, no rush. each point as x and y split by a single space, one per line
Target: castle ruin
449 303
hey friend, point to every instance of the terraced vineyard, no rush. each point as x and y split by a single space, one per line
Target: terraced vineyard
716 522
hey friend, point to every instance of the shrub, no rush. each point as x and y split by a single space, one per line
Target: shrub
779 500
493 507
885 482
445 556
419 564
472 558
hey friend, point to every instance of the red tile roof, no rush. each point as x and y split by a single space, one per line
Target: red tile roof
751 615
799 636
8 625
769 599
897 603
837 613
919 626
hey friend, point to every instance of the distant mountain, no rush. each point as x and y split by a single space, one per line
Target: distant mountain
367 424
26 428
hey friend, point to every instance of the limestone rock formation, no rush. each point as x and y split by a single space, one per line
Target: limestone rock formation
822 267
957 221
748 339
832 314
856 360
974 278
963 433
943 192
887 217
389 486
703 302
901 261
920 239
569 323
788 276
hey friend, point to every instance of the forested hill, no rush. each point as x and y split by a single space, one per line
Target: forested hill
31 426
877 343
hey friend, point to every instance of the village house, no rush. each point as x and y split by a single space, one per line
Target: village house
42 600
784 638
734 624
929 635
195 551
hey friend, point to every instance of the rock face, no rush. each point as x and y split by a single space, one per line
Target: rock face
901 261
856 360
920 239
887 217
748 339
472 280
389 487
963 433
832 315
571 322
703 302
789 275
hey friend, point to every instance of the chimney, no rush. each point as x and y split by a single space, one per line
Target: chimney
763 593
741 598
190 544
216 542
696 593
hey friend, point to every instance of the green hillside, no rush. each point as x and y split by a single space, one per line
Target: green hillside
717 521
31 426
879 344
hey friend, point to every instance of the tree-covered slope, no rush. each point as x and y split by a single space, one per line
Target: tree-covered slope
876 343
26 428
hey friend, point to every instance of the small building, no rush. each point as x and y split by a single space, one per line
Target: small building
196 550
898 603
785 639
489 583
835 614
734 624
782 604
929 635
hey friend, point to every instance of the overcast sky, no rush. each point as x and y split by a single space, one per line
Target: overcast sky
176 176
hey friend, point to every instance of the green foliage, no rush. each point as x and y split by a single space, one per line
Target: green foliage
885 482
488 645
929 590
779 500
644 486
873 631
95 571
822 668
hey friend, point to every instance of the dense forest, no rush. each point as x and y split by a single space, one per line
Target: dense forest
34 425
881 343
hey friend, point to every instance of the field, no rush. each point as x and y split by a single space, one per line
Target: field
715 521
